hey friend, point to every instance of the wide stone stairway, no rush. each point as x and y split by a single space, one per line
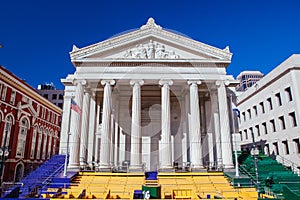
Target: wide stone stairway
196 185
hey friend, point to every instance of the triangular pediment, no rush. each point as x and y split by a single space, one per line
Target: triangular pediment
149 43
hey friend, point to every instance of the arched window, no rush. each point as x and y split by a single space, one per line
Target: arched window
50 144
7 131
38 154
24 126
35 132
45 144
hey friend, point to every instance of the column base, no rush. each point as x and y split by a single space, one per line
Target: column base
73 168
136 168
166 169
198 169
104 168
228 166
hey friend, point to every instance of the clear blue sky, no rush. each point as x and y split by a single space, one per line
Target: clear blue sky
37 35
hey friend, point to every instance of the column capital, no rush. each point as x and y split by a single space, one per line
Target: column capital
110 82
163 82
136 81
194 82
220 83
79 81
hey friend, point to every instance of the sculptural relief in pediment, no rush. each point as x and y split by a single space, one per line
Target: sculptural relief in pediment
151 50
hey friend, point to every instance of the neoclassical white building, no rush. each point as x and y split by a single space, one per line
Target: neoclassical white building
270 112
150 98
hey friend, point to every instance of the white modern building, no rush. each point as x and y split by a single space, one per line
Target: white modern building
270 111
150 98
247 79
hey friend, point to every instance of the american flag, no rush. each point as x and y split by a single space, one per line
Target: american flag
75 107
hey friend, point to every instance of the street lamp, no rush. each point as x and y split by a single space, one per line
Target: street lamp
3 153
254 153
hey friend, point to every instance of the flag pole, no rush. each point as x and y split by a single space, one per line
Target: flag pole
234 140
68 138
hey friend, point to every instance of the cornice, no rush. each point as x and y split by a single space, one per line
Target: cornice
156 63
27 91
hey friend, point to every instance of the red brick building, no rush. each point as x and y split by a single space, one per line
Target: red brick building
29 127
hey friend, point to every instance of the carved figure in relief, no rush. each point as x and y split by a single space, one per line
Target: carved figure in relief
150 51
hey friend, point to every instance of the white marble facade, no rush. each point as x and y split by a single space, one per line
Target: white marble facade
151 100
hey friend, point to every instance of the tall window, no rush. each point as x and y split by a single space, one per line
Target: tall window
286 147
54 96
1 86
289 94
272 121
244 116
278 99
282 122
7 130
13 97
297 145
246 134
3 95
45 144
293 119
38 154
257 130
262 107
54 145
276 150
24 126
241 135
255 110
35 132
50 144
249 113
264 124
269 100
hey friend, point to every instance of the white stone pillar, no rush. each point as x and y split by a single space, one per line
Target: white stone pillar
136 133
106 123
165 147
195 133
98 130
74 142
65 124
216 128
84 129
224 125
122 147
91 137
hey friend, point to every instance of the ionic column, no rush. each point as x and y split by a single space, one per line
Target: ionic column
74 142
166 156
216 127
195 133
136 134
91 137
106 123
84 129
224 125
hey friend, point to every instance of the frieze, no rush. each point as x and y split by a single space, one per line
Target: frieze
152 50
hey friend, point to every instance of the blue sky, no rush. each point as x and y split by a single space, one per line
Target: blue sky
37 35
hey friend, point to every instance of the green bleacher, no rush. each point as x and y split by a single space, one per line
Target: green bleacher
273 176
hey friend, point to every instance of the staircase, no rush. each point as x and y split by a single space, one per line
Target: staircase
41 177
274 178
